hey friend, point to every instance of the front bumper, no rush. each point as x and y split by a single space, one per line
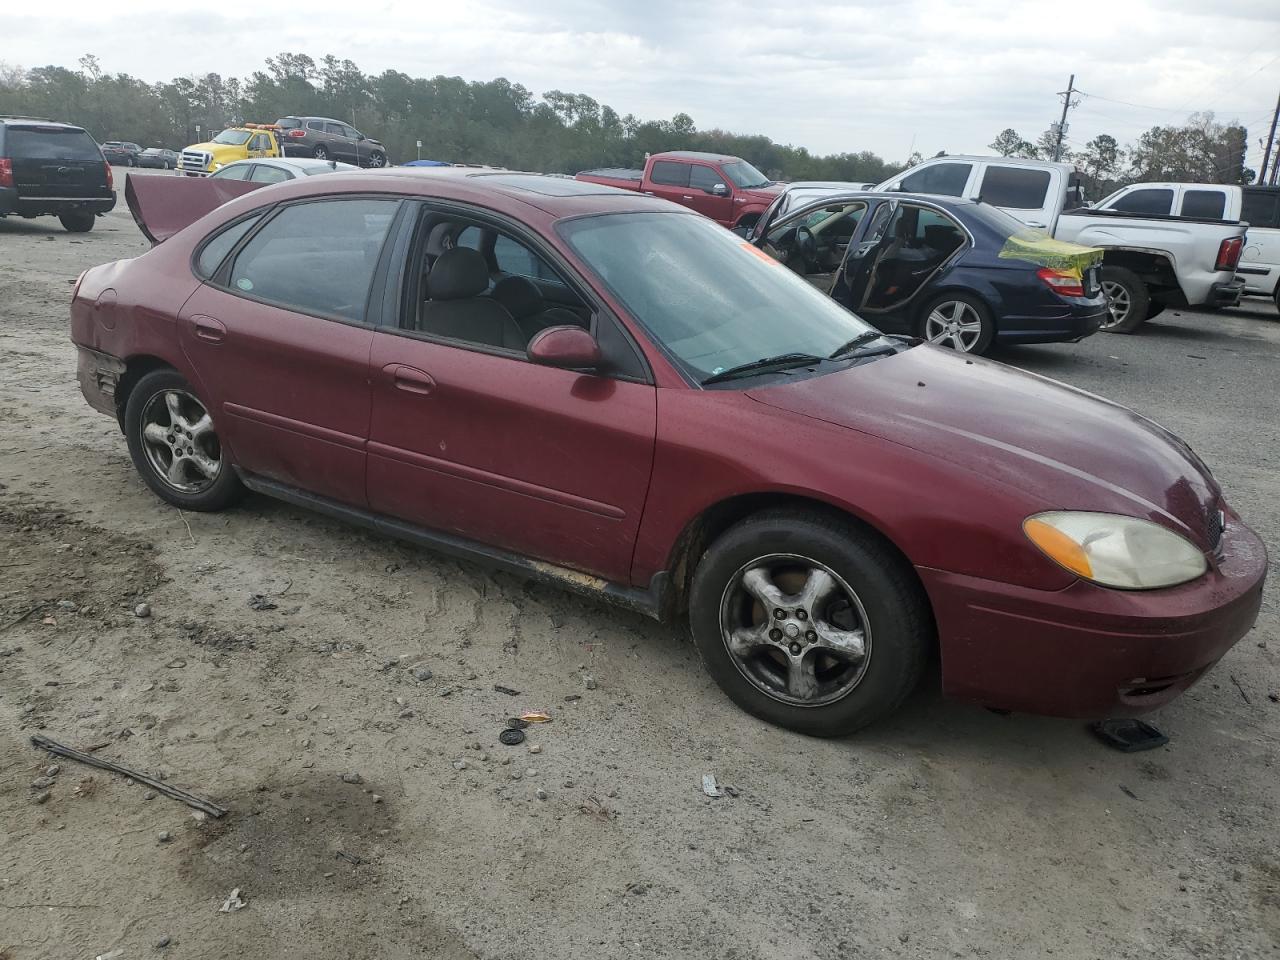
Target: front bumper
1089 651
13 203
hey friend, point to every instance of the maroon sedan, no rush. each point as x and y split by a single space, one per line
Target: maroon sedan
603 389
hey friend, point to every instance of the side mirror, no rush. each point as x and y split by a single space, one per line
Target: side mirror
720 190
359 135
571 348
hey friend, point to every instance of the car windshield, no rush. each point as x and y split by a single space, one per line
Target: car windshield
52 143
744 174
711 299
233 137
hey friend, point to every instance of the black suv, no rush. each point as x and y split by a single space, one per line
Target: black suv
329 139
52 169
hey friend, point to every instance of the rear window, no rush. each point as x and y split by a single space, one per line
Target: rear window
1154 202
216 250
289 123
50 143
1205 204
1017 188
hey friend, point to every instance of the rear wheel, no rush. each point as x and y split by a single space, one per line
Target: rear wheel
959 321
1127 300
175 446
320 152
809 621
76 222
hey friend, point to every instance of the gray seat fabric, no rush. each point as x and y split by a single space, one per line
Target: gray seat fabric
455 306
524 302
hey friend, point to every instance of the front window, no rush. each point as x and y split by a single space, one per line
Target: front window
744 175
711 299
233 137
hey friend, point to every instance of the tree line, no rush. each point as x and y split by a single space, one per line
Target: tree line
501 123
494 122
1200 151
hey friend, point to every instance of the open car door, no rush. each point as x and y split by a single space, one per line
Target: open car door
812 239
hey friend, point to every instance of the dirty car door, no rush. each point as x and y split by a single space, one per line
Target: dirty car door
279 339
851 282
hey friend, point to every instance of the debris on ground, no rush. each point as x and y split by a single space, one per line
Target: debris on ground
589 682
709 786
516 723
499 688
191 800
260 601
1127 792
351 858
232 903
1243 695
511 736
162 943
142 611
1128 735
352 778
535 717
111 955
422 674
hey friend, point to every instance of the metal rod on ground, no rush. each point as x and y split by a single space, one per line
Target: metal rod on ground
58 750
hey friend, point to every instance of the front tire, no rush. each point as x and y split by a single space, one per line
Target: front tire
174 444
957 320
377 160
1128 300
320 152
809 621
76 222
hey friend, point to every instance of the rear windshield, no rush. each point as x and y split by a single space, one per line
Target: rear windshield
289 123
50 143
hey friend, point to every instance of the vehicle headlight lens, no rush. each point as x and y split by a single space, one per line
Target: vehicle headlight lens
1115 551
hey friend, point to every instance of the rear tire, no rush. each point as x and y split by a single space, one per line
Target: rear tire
809 678
174 444
76 222
957 320
1127 300
320 153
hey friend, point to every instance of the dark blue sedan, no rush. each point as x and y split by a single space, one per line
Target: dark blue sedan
955 272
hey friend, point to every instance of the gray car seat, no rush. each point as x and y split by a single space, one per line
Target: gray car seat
455 306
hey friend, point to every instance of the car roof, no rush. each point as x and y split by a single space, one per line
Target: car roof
296 163
299 116
17 121
695 155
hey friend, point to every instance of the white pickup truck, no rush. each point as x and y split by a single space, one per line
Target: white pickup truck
1150 260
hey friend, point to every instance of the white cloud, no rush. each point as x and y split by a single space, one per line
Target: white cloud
878 75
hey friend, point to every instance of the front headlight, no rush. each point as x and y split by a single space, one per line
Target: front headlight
1115 551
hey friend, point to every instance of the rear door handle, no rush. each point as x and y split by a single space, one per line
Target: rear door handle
686 197
209 329
409 379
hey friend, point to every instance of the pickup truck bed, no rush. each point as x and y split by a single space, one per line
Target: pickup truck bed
622 177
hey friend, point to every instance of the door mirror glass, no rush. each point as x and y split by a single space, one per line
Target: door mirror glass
572 348
720 190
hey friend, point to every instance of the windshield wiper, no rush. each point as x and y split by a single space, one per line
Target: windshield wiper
850 349
782 361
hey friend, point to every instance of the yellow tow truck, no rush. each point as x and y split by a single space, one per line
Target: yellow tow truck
234 143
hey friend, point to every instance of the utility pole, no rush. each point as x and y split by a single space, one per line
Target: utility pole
1062 124
1271 140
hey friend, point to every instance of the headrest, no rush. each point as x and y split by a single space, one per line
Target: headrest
436 239
518 295
457 274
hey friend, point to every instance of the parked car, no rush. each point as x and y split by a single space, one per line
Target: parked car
665 417
121 153
954 272
52 169
249 141
729 190
326 139
1258 206
1149 261
278 170
158 158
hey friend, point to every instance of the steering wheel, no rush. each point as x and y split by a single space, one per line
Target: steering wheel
806 244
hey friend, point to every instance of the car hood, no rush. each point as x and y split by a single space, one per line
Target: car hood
1069 448
764 195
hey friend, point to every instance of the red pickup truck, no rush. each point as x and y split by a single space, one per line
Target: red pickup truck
729 190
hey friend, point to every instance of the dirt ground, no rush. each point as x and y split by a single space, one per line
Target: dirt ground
948 831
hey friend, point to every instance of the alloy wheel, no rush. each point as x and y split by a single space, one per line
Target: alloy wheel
180 442
376 160
1119 303
795 630
954 323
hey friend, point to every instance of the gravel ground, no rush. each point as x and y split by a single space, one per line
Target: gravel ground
948 831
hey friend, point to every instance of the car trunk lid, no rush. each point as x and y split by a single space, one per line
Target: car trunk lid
161 206
54 161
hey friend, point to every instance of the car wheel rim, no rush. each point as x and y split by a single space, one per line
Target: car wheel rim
954 324
1119 303
180 442
375 160
795 630
321 153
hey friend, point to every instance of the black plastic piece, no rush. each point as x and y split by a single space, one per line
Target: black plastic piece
511 736
1128 735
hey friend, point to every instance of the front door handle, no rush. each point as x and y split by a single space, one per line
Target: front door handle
209 329
409 379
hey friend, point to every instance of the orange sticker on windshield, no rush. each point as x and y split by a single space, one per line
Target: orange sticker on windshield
751 248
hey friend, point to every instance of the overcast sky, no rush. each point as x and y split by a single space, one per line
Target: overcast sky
883 75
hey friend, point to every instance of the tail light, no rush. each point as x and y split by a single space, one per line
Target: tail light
6 172
296 132
1229 253
111 180
1060 283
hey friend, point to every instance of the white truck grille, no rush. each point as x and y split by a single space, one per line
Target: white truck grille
194 163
